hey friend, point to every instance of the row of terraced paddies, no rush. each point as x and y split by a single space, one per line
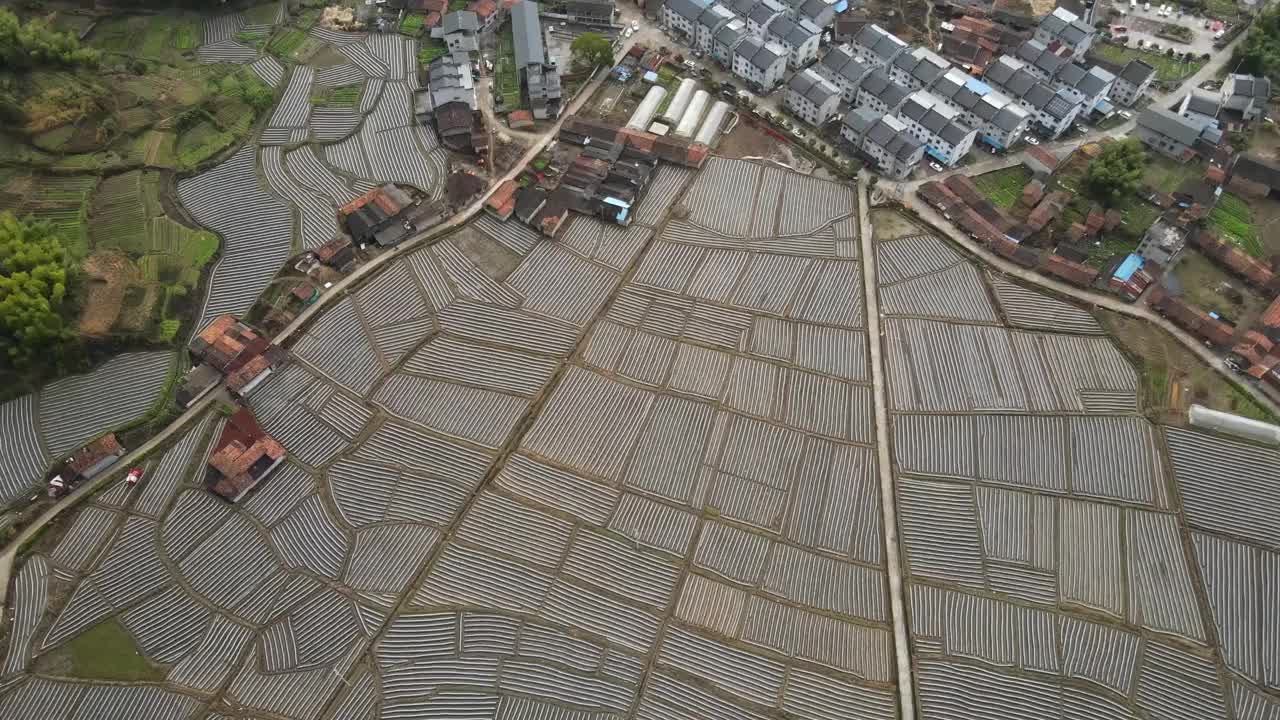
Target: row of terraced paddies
60 200
126 216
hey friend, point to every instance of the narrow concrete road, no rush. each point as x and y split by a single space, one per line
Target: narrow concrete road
884 462
9 554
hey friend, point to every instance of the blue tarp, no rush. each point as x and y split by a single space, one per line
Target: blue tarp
977 86
1104 107
651 77
842 6
1131 265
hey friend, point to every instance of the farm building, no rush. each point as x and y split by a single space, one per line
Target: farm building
242 458
376 215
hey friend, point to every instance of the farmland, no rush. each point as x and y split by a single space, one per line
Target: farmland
505 80
1168 69
1233 220
1004 187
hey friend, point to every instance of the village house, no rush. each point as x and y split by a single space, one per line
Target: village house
884 139
1132 83
243 457
1176 136
811 97
843 69
760 63
800 38
930 121
1067 29
876 46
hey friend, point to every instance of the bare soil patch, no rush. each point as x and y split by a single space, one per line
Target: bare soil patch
889 224
108 275
496 261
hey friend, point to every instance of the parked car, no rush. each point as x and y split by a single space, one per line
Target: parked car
1032 141
635 24
936 167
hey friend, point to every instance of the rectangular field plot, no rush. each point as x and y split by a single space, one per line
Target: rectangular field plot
939 367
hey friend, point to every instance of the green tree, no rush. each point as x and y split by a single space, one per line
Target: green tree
1260 52
590 49
33 289
1116 172
24 46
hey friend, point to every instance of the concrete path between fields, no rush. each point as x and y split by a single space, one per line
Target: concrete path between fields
884 464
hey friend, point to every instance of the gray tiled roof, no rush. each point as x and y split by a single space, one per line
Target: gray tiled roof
1203 103
889 133
1169 124
792 32
879 41
860 120
1065 26
922 64
460 21
1002 70
1137 72
527 33
878 84
1009 117
714 16
812 86
761 14
1035 53
1250 86
760 53
1088 80
840 62
741 8
687 9
730 34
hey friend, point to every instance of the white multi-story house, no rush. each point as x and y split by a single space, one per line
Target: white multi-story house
930 121
876 46
761 14
880 94
760 63
727 38
1247 95
799 37
918 68
1041 61
999 120
709 21
681 17
1132 83
1066 28
811 97
844 70
1090 86
818 12
1053 110
883 138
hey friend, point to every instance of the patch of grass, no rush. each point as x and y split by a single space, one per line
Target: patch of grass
458 5
345 96
1003 187
1166 175
264 14
412 24
106 652
431 49
284 44
1233 220
505 77
200 143
1167 69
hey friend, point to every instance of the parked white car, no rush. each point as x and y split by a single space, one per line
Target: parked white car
1032 141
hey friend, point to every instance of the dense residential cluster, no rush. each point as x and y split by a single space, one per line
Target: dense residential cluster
1042 87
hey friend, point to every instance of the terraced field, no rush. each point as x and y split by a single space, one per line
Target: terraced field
632 473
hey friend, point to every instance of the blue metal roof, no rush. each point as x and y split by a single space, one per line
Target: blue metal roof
977 86
1131 265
